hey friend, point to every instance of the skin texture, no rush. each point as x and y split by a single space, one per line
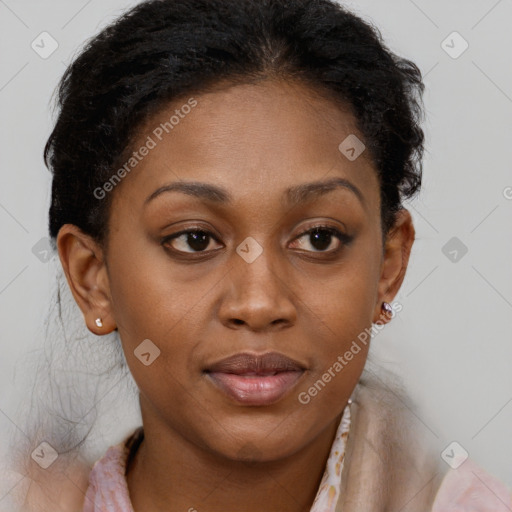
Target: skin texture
202 450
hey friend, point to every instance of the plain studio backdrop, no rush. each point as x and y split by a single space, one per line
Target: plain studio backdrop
452 341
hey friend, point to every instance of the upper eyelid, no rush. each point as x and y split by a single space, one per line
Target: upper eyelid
300 235
206 230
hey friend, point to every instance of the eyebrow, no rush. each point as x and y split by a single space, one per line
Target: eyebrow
294 195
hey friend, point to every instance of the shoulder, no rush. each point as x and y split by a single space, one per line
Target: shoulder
401 461
76 486
59 488
471 488
389 458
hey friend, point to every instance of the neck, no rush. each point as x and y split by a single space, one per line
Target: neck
171 474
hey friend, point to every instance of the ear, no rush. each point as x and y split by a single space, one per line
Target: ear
83 262
397 250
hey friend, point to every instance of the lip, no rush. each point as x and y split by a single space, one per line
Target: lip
256 379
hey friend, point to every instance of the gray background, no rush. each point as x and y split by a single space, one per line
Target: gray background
452 342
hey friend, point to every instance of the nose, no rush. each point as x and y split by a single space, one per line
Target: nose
257 295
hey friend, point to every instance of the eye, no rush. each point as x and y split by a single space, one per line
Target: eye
323 237
196 239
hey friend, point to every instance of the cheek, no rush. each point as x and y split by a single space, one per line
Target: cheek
344 304
150 297
340 319
152 313
343 336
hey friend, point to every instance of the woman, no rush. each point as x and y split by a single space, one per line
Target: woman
228 179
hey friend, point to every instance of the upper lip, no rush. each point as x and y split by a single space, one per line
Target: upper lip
270 362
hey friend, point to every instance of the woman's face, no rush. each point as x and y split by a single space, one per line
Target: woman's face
252 281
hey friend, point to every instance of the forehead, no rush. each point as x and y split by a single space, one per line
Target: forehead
251 139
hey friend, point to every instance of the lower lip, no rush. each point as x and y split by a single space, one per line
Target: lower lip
256 390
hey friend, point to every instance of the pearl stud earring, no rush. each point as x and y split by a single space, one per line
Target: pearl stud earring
386 307
99 323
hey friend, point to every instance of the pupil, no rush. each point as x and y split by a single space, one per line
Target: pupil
321 239
198 241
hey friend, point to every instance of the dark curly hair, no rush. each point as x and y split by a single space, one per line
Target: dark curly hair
161 50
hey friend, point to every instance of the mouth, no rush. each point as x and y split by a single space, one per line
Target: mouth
255 379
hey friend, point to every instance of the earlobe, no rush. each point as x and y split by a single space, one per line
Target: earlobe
83 263
397 250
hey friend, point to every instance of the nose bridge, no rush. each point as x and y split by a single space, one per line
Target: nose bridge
258 294
257 264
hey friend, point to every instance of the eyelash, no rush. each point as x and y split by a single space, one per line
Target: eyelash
342 237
